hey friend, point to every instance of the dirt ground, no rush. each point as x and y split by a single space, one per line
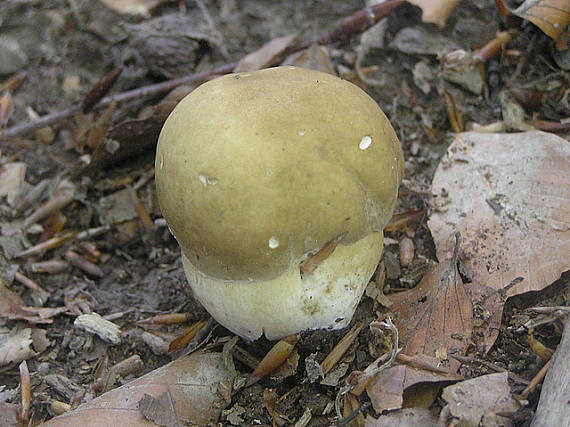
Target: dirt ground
65 47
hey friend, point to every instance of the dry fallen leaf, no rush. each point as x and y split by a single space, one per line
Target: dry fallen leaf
435 318
507 194
408 417
472 400
16 346
11 304
184 390
21 344
551 16
390 388
436 11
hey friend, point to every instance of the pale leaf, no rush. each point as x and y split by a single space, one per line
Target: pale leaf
508 196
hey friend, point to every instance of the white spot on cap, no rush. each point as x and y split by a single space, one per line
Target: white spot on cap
207 180
273 242
161 161
302 132
365 142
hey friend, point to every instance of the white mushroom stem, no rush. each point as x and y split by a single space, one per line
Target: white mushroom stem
326 298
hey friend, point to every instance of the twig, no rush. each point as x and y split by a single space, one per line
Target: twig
26 393
369 81
29 283
491 366
340 349
358 22
352 416
357 381
408 360
52 266
57 203
81 263
62 238
145 91
534 382
559 310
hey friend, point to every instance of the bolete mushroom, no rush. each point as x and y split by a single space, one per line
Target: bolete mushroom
255 173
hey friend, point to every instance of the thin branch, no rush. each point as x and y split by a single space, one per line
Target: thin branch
142 92
358 22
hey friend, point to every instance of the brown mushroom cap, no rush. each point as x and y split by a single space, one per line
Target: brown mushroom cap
255 170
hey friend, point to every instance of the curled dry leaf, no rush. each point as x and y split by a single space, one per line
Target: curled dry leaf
551 16
507 194
184 390
386 391
435 11
270 399
402 220
352 409
183 340
273 359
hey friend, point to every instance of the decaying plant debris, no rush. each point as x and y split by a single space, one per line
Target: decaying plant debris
94 310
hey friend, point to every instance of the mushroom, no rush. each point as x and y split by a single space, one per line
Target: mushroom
258 172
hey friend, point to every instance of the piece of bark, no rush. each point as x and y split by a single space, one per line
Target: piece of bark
554 406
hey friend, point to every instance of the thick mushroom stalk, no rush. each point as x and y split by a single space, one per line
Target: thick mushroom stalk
255 173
